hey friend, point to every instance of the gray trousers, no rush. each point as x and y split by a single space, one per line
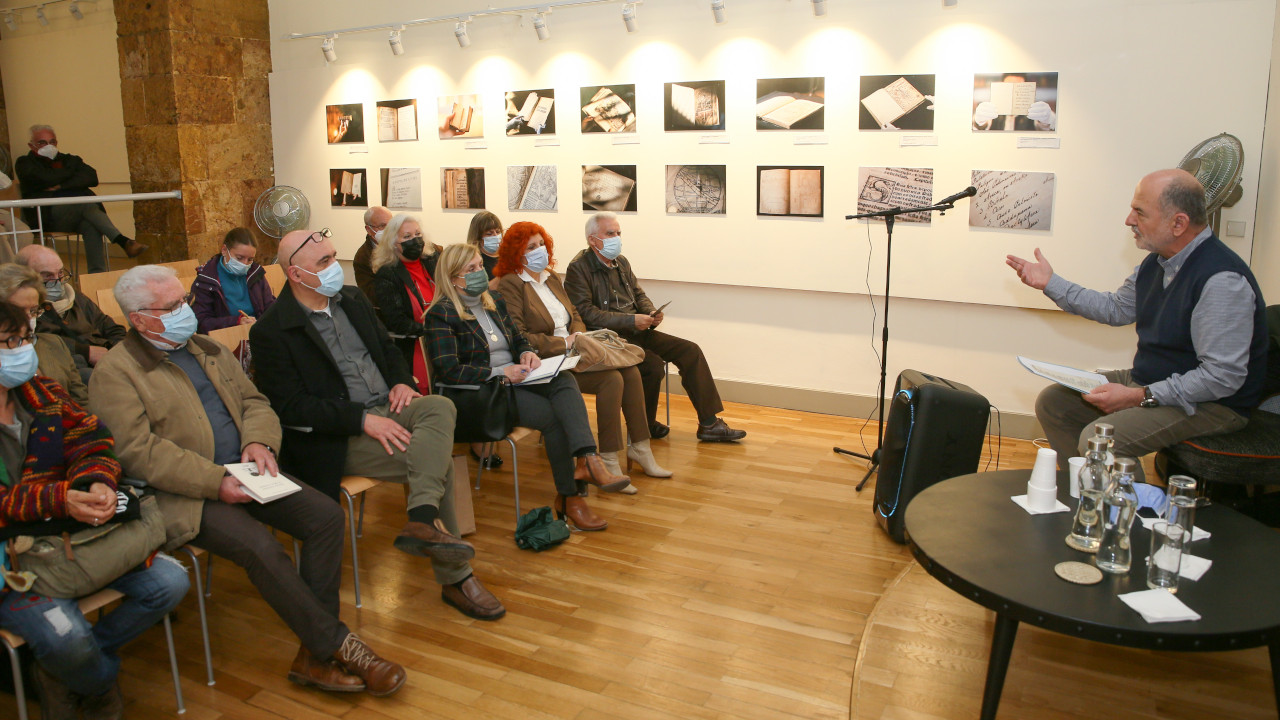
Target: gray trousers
1069 421
92 223
427 466
305 599
556 408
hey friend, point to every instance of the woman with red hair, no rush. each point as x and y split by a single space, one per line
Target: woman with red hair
540 307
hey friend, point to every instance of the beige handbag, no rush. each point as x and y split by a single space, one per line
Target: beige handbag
604 350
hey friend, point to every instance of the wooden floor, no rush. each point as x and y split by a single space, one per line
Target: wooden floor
744 587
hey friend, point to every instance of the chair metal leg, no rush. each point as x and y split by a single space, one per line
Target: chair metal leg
515 475
173 664
297 555
355 550
666 382
204 618
360 523
19 691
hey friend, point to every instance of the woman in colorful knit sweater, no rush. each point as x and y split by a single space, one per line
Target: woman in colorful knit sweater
58 462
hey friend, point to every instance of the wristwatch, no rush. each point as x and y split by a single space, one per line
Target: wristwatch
1148 400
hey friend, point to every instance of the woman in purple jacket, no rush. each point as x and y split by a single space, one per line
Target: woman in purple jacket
231 289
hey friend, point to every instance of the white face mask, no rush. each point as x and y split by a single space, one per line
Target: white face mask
377 237
48 151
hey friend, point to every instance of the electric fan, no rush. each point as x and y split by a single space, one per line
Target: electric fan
281 209
1217 163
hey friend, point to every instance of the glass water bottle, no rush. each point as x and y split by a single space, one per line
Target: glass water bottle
1106 432
1086 529
1120 506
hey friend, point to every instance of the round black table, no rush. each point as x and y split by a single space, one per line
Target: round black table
967 533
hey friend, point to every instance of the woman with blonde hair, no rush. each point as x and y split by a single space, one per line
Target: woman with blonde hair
403 263
473 339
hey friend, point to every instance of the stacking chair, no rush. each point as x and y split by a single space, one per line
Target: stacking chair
353 485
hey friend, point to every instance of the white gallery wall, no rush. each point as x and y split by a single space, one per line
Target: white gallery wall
783 302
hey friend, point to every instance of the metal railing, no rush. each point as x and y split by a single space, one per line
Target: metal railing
13 205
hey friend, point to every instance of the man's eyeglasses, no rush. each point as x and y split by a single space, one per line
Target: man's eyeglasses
42 143
315 237
35 312
13 342
186 300
62 276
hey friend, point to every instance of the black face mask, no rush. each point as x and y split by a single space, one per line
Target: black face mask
412 249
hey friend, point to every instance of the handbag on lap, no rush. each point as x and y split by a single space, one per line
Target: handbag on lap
604 350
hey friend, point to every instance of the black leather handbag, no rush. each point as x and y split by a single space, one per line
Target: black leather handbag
486 412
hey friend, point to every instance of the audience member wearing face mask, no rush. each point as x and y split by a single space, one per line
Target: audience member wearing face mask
231 289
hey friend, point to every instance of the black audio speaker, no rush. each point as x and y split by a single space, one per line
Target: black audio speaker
934 432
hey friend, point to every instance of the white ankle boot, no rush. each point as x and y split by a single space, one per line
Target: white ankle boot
641 454
610 460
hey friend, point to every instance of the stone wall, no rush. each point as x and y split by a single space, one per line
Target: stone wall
197 115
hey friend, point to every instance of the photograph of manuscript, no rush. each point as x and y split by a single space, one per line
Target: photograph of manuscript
347 188
609 187
790 103
694 106
529 112
344 123
608 108
397 120
696 189
462 188
531 187
1015 102
896 102
1012 200
401 188
789 191
885 188
459 116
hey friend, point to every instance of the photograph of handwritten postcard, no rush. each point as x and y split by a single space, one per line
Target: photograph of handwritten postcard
694 106
529 112
789 191
401 188
1015 102
608 108
609 187
462 188
885 188
790 103
896 102
532 187
1012 200
458 116
347 187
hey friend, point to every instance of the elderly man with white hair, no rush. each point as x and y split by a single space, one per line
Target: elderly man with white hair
87 331
180 408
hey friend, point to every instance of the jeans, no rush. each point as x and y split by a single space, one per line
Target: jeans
83 656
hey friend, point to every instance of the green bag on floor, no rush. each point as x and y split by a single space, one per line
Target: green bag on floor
539 529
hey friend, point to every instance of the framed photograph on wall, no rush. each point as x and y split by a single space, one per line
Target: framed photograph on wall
1015 102
696 189
397 120
608 108
348 187
693 106
531 112
789 190
401 188
885 188
344 123
532 187
462 188
459 116
791 103
1012 200
896 102
609 187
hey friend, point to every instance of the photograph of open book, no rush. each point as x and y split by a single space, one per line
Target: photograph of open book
462 188
532 187
790 103
344 123
397 120
459 116
694 106
529 112
1080 380
789 191
1015 102
401 188
896 102
608 108
609 187
347 187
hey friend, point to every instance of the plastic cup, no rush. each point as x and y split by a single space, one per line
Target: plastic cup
1045 472
1074 466
1166 556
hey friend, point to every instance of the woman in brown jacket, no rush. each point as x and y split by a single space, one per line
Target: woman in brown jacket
541 309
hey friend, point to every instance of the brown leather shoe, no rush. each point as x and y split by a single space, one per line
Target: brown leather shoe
326 675
591 469
381 677
133 248
473 600
57 702
718 431
575 510
433 541
107 706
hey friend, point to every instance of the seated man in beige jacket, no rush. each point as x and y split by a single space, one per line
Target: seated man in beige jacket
180 407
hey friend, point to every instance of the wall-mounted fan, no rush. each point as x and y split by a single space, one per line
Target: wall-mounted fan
1217 163
281 209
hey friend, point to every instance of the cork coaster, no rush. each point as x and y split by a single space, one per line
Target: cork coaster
1078 573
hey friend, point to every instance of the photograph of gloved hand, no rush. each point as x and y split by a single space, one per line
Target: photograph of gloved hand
1017 102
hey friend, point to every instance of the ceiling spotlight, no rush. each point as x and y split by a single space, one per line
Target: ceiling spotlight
11 21
460 32
717 9
540 26
819 8
326 47
397 48
40 15
629 17
75 10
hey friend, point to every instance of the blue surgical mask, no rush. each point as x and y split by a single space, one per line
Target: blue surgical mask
234 266
54 291
18 365
331 279
490 243
179 325
612 247
536 260
477 283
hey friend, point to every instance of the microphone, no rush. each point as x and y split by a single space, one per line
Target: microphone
950 199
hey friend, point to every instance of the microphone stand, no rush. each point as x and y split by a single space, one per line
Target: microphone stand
889 217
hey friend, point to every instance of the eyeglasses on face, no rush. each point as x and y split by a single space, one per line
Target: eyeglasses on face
315 237
185 300
13 342
60 276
